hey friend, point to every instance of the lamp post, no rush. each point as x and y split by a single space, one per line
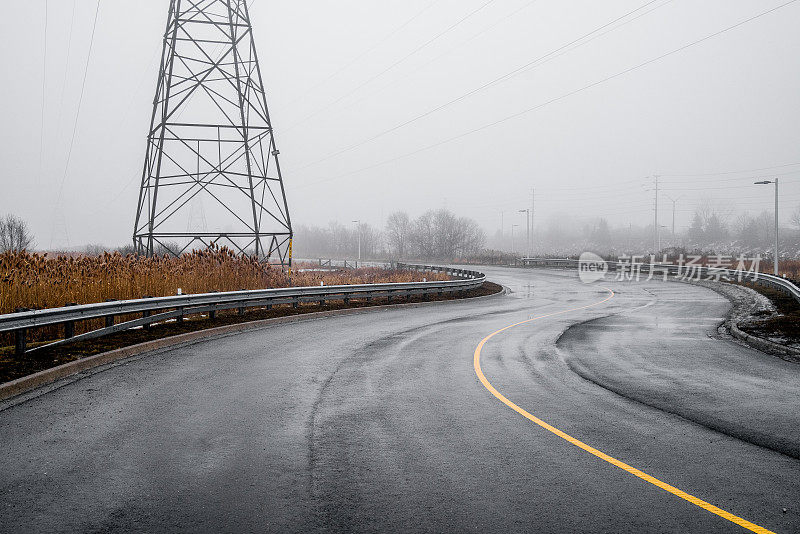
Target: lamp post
527 213
659 236
512 237
358 230
775 259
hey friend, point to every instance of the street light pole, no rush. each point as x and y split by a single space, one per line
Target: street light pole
775 259
533 213
527 212
674 202
358 229
657 235
775 263
512 237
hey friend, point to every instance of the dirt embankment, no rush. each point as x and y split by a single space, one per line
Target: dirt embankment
765 318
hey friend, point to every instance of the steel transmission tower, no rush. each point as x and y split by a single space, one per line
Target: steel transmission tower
211 140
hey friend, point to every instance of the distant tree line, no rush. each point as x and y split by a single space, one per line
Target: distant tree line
434 235
711 229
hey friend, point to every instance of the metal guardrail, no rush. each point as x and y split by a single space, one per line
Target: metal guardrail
158 309
690 271
332 264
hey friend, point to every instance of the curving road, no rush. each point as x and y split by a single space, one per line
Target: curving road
377 422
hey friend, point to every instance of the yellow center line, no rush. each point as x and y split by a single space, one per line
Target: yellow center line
588 448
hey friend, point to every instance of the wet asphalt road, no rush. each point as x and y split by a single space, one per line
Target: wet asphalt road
376 422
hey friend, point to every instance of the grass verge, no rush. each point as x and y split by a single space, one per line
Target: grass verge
12 367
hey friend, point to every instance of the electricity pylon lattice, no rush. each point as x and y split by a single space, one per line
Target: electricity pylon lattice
211 142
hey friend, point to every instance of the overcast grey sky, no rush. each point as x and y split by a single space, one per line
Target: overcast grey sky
339 74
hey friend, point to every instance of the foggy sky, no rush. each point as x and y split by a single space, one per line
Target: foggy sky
340 73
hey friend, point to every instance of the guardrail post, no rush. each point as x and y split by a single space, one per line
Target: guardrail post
69 329
69 326
295 302
20 336
241 308
212 314
109 318
179 318
19 341
346 299
146 313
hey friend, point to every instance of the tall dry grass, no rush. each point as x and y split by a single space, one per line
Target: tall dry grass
36 281
788 268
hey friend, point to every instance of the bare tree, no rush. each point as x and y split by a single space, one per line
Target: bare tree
14 234
741 224
441 235
759 230
398 233
796 217
423 236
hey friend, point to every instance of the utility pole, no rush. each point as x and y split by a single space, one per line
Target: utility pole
358 230
533 212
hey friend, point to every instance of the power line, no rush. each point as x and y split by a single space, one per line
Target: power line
44 94
436 58
364 53
393 65
536 62
66 71
553 100
739 171
620 197
541 60
738 178
80 102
